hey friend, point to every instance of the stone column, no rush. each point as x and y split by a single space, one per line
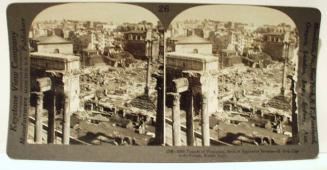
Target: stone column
160 117
66 122
38 118
51 119
295 128
205 121
284 79
148 77
176 119
189 120
148 54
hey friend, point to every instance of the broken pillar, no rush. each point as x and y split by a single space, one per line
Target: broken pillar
38 118
51 118
189 120
176 119
66 122
205 121
160 118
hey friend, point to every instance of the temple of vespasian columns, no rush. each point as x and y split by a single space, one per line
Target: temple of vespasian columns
54 90
192 86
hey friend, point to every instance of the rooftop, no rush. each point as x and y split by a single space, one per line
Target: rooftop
53 39
193 56
54 56
193 39
40 38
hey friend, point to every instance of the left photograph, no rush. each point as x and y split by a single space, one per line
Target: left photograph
96 75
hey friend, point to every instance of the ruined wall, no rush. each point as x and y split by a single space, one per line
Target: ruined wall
50 48
136 48
189 48
227 61
93 60
275 50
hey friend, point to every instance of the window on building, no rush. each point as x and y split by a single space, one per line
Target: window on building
56 51
195 51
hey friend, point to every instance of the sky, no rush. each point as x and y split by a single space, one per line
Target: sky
236 13
106 12
119 13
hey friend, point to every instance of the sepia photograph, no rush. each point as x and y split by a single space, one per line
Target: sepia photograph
231 74
162 82
96 77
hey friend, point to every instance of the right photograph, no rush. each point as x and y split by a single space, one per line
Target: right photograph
231 74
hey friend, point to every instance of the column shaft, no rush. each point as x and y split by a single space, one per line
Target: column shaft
148 72
176 120
189 121
160 125
295 128
285 53
51 121
66 122
205 122
38 118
